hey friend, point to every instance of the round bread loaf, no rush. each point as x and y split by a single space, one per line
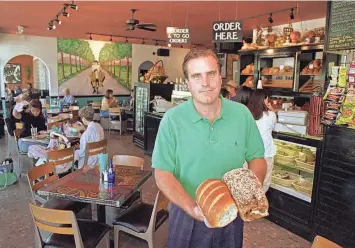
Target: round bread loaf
247 193
217 204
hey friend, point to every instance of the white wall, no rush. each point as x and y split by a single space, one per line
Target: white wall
172 64
44 48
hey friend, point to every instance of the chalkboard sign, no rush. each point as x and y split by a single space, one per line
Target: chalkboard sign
227 31
341 29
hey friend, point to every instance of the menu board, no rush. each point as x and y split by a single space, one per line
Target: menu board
341 25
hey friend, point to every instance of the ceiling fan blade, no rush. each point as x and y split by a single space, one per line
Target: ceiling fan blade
147 25
147 29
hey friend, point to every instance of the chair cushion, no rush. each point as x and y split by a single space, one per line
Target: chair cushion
62 204
137 217
91 233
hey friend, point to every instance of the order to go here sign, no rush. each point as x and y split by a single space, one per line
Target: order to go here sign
227 31
178 35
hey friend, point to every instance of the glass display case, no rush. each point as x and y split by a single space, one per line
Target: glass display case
294 166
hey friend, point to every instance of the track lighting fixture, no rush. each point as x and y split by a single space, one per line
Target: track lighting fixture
51 26
65 13
270 18
74 6
111 38
90 37
126 40
291 15
137 39
156 43
57 20
143 42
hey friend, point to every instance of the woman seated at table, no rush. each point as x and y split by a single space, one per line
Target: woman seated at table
109 101
93 133
31 116
68 99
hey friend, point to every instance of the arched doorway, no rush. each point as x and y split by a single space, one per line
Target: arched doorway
143 68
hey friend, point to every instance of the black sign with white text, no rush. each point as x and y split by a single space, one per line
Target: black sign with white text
227 31
178 35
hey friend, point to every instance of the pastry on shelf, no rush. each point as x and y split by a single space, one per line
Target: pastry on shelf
249 46
249 69
249 82
313 68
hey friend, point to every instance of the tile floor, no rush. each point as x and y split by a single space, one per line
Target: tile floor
16 228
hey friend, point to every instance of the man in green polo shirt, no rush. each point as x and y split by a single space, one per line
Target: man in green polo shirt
203 138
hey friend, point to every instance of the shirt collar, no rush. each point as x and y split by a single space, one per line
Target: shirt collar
195 116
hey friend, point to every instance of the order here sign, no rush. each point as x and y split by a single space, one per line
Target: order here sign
227 31
178 35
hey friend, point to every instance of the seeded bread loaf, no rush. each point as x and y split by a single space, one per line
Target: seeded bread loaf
217 204
247 193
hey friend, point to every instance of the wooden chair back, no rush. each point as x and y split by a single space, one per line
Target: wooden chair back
56 221
56 123
45 170
17 134
94 148
74 108
96 105
128 161
19 125
61 157
161 203
320 242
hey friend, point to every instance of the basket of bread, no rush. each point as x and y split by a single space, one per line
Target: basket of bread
157 73
306 160
304 186
239 192
284 178
313 68
285 70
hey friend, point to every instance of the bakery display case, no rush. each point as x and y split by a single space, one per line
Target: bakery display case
293 171
246 69
143 94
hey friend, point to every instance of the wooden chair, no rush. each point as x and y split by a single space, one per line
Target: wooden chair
56 123
145 221
94 148
22 158
11 140
75 116
116 124
42 175
71 108
320 242
66 230
62 158
128 161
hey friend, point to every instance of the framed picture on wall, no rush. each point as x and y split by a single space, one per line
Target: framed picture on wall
12 73
223 60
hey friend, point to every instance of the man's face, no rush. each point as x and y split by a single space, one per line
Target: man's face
204 79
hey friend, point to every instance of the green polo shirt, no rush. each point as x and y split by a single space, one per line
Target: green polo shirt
194 149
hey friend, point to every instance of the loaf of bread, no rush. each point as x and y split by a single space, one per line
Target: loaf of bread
247 193
217 205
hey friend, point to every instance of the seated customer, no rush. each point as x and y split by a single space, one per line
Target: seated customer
93 133
31 116
109 101
67 99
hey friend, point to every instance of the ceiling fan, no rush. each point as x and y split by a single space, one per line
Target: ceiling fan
132 24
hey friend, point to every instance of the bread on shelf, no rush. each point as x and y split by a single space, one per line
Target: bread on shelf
313 68
277 71
249 69
249 82
216 203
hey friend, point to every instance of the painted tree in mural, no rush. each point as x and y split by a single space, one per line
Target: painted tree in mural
115 58
75 56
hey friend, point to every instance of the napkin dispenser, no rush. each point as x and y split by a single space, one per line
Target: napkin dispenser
293 117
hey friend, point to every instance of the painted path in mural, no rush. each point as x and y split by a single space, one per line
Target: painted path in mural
79 85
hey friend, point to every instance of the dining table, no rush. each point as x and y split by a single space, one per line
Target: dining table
86 186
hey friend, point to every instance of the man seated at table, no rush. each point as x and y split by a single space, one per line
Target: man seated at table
93 133
30 116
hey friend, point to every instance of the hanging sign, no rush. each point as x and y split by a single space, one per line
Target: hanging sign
227 31
178 35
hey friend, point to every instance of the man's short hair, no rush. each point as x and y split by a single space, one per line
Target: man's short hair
196 53
87 113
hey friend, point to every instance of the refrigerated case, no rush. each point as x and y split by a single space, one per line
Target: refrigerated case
292 194
143 94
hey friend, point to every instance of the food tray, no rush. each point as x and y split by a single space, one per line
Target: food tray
309 167
284 182
305 188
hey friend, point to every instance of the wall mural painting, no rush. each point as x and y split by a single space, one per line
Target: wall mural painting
89 67
12 73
